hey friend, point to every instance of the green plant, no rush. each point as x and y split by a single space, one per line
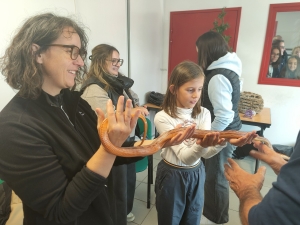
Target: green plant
220 26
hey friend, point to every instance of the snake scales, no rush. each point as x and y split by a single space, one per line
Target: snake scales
159 142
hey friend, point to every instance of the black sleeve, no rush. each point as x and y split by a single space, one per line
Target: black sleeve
126 160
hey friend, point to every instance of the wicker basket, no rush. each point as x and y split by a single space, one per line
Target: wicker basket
249 100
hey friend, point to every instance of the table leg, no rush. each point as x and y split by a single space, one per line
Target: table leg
257 162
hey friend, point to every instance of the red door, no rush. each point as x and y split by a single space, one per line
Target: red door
187 26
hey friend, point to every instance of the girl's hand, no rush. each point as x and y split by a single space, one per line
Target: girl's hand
120 123
211 139
247 139
181 136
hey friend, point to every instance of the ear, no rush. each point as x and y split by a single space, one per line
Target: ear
172 89
196 48
38 57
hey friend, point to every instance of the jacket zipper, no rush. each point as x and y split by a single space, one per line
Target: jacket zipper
66 115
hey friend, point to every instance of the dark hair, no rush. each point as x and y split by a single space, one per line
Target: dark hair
98 62
19 64
211 46
277 42
182 73
275 64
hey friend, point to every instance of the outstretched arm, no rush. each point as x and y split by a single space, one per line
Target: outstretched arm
246 186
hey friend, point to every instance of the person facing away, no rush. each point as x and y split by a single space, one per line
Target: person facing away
180 176
275 59
221 94
105 82
296 51
281 205
50 151
291 71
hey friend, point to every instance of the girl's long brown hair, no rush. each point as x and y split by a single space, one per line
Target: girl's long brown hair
181 74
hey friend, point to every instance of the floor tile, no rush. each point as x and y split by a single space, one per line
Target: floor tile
141 193
137 183
140 176
234 218
234 202
151 218
140 211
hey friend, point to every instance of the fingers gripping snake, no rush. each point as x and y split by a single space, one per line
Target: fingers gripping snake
158 143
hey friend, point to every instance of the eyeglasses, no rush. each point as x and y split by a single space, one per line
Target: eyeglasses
274 54
75 51
115 62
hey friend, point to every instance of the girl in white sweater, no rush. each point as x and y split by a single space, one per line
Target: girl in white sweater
180 175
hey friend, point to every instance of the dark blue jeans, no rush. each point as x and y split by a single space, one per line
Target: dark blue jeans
216 191
179 194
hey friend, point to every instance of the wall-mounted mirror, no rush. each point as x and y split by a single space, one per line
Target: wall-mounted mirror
284 20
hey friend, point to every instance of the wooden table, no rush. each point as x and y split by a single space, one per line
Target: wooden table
153 107
262 120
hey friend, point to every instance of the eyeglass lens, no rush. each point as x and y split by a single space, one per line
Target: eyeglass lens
76 51
116 61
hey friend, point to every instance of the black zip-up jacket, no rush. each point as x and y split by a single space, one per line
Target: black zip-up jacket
44 146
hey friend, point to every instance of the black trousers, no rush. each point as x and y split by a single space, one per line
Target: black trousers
121 189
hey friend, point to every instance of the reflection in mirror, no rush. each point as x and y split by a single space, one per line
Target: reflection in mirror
279 66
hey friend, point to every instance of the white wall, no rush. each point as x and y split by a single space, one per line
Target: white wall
106 21
283 101
288 28
146 45
13 13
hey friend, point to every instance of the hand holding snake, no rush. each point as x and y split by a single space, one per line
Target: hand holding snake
172 137
115 132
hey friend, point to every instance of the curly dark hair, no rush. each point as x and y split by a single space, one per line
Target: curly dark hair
18 64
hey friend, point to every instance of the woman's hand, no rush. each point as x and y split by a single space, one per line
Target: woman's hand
247 139
120 122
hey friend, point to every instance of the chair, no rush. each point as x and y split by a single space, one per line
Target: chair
147 161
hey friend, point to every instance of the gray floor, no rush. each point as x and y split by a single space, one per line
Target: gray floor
144 216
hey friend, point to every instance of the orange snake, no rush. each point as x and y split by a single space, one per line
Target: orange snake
158 143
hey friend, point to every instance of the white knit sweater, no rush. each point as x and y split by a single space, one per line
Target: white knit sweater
182 154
